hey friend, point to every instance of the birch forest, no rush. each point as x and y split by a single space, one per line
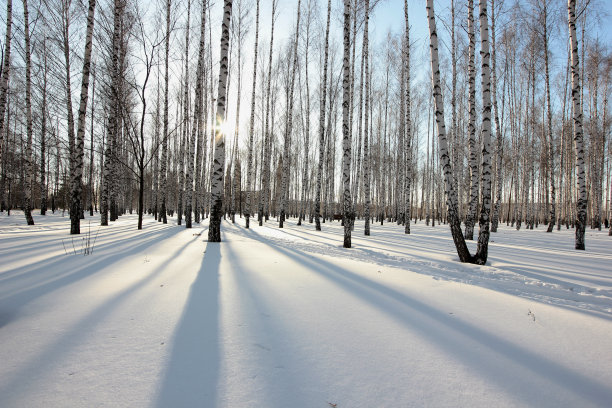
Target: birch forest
466 115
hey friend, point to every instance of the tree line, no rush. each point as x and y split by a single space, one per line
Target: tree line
197 109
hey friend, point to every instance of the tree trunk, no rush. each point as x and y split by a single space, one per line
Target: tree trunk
471 213
214 230
482 249
4 80
322 124
408 123
578 135
289 123
78 156
252 123
366 143
28 153
451 195
164 155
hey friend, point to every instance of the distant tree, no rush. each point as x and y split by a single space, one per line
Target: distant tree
322 124
4 81
252 121
29 168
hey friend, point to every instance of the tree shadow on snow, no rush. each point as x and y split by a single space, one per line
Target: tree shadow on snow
512 366
191 375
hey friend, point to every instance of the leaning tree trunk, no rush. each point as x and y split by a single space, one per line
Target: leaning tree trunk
346 135
78 157
482 249
578 135
252 123
322 124
28 154
214 230
451 194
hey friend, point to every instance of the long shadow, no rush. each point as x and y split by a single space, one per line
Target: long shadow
568 295
479 349
47 276
191 377
86 324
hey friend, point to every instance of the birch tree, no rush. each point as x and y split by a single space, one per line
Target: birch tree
322 123
164 154
28 153
346 135
78 157
581 204
451 194
473 162
252 121
214 230
4 82
289 122
485 210
366 142
407 121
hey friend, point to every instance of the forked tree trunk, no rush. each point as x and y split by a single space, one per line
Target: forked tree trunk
578 135
214 230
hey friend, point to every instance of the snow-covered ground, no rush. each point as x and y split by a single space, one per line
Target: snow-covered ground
289 318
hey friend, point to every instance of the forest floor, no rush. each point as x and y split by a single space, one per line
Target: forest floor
288 318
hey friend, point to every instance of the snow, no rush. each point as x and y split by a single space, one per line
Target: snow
289 318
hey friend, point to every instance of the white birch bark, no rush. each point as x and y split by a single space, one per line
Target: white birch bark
163 184
451 195
366 142
77 176
214 230
29 168
482 249
252 123
346 135
407 122
473 162
4 81
322 124
578 132
289 123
